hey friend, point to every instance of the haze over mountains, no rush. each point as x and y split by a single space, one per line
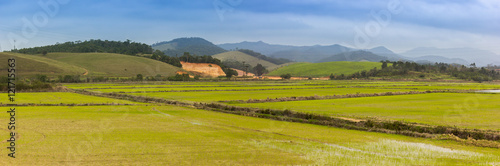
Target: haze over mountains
336 52
315 53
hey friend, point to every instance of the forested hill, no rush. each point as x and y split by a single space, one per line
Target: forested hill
194 45
277 61
125 47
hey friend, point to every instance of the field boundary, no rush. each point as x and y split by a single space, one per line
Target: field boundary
358 95
69 104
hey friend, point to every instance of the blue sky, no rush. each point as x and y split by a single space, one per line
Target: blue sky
413 23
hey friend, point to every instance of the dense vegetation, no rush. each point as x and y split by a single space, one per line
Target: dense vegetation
401 68
174 61
126 47
277 61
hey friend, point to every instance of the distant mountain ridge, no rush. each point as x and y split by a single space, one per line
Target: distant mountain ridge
193 45
470 55
316 53
355 56
294 53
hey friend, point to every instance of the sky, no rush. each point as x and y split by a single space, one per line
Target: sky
399 25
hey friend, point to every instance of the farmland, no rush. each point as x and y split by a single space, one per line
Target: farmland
129 131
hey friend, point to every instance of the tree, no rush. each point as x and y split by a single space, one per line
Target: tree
384 65
230 73
42 78
259 69
44 53
286 76
139 77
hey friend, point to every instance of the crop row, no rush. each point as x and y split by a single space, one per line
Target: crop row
316 97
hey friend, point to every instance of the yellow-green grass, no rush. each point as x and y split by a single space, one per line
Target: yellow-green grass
60 98
242 57
324 69
465 110
298 83
30 65
214 96
229 88
168 135
107 64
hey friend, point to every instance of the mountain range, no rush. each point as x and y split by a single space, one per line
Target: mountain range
320 53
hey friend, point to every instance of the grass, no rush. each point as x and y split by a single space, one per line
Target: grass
97 64
324 69
158 134
242 57
168 135
30 65
107 64
452 109
215 96
58 98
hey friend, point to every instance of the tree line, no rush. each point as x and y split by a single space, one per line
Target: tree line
401 68
126 47
277 61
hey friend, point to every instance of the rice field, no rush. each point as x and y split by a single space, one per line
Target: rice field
161 134
469 110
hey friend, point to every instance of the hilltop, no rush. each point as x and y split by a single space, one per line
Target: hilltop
193 45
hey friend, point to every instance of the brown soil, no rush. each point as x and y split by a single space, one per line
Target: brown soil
205 69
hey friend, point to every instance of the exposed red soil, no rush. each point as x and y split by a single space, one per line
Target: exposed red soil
204 69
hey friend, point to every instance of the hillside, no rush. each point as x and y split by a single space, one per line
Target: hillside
324 69
108 64
30 65
383 51
310 53
355 56
242 57
195 46
262 47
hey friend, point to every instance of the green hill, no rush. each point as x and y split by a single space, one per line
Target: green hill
108 64
195 46
96 64
324 69
29 65
242 57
